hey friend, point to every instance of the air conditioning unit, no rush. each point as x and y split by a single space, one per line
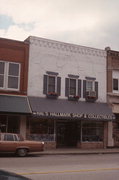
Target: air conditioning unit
91 94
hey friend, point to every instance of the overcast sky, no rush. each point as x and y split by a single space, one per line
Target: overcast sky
92 23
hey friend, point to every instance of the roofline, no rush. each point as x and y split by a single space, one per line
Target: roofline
62 42
18 41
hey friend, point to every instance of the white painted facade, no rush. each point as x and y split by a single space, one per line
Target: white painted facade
63 58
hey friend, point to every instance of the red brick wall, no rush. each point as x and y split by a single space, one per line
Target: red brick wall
16 51
91 145
112 64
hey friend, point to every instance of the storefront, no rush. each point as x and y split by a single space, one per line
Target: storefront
13 113
62 123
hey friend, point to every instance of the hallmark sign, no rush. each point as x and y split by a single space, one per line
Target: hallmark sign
74 115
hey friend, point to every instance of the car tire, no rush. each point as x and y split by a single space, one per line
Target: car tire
22 152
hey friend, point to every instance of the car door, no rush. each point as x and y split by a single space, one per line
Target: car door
8 143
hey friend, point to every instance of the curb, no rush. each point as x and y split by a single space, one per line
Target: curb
79 152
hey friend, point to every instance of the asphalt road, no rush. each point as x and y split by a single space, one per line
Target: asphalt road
63 167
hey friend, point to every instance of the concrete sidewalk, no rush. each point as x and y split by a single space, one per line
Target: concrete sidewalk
75 151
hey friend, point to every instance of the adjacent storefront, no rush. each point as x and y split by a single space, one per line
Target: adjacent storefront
13 113
62 123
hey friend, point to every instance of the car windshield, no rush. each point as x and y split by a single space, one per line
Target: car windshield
6 175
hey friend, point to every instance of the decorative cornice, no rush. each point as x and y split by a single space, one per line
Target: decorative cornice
67 47
114 54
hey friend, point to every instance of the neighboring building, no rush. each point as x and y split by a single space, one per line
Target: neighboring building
67 89
14 105
113 89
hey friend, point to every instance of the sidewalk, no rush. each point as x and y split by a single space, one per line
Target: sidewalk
74 151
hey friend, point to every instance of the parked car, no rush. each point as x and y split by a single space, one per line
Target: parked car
6 175
15 143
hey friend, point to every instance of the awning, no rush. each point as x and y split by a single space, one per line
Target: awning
58 109
14 104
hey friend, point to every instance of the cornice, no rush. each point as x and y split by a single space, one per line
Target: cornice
114 54
66 47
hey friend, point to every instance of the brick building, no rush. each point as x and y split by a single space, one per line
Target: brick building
113 90
14 105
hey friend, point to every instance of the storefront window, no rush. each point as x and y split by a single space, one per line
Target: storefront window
92 131
41 130
9 124
3 123
13 124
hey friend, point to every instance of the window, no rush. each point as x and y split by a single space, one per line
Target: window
72 85
89 85
9 123
9 75
8 137
92 131
41 130
115 84
2 71
52 84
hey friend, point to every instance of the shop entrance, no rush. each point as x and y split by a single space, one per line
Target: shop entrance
67 133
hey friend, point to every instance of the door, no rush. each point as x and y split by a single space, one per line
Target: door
67 134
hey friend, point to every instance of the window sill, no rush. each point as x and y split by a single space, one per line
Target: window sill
52 96
90 99
73 98
113 94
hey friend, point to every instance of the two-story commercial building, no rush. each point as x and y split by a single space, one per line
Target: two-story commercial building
67 91
14 106
113 90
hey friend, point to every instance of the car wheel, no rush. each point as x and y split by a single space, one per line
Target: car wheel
22 152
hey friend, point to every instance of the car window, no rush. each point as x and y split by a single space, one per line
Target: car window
8 137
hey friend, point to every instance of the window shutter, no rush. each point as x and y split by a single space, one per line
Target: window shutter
59 86
45 80
96 89
84 88
79 87
67 87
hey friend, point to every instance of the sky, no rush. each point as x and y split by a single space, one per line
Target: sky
92 23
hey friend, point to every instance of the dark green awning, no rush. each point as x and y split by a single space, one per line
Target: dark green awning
14 104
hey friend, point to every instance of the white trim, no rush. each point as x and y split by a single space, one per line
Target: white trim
6 76
3 76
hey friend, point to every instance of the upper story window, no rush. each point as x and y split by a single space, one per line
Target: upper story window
9 75
90 85
90 89
116 84
73 86
52 84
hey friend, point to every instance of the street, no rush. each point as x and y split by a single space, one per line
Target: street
63 167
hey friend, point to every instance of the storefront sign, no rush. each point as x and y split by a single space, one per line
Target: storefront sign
74 115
